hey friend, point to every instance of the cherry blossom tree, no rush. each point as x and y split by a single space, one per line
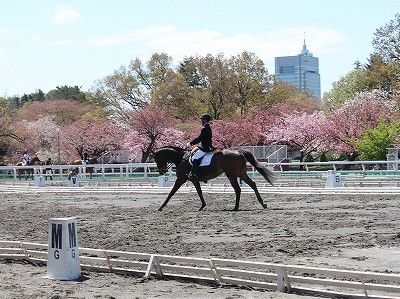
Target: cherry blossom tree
95 137
151 128
300 132
44 137
247 130
346 124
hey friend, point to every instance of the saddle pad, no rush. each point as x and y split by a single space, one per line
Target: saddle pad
205 161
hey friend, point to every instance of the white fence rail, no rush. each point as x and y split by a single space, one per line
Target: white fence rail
150 169
99 170
284 278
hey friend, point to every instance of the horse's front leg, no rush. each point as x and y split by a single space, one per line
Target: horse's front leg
178 183
200 193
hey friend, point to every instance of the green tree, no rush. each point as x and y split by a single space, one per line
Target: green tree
386 41
250 79
343 89
130 88
378 74
190 72
67 93
216 86
177 96
374 142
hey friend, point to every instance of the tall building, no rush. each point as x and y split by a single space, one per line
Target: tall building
301 70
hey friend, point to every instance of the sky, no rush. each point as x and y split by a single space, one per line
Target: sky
50 43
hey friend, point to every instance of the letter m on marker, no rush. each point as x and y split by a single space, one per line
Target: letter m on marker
72 235
56 236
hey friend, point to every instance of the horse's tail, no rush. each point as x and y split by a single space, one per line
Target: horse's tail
265 172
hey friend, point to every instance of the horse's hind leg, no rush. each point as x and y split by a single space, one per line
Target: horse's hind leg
200 193
253 186
237 189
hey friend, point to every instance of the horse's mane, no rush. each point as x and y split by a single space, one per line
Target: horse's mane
181 151
176 148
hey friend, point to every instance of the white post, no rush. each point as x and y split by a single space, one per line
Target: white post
39 181
163 181
63 262
333 180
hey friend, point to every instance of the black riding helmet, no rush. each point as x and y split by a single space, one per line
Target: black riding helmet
206 116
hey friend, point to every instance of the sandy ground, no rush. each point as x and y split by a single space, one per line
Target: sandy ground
355 232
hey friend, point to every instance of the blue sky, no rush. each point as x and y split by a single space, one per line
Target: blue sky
44 44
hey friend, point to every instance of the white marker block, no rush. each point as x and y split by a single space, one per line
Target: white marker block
39 181
63 262
163 181
333 180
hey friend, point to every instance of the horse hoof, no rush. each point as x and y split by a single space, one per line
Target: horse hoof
264 205
201 209
159 209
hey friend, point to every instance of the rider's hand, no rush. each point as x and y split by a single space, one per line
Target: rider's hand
188 145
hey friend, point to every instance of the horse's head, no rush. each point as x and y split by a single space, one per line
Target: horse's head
161 161
166 156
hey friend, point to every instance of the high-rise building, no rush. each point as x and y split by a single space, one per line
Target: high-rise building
301 70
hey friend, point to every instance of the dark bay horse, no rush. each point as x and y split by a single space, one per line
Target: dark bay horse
232 163
88 168
29 171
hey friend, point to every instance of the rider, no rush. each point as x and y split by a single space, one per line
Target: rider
205 138
49 170
86 158
25 159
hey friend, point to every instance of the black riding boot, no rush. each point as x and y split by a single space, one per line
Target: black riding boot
193 173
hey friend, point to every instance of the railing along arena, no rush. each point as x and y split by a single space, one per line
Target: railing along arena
124 171
284 278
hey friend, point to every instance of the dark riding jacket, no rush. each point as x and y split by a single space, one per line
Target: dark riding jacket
205 138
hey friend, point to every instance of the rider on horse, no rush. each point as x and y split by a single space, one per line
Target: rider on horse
25 159
205 138
86 158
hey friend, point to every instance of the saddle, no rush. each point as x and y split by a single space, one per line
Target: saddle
206 159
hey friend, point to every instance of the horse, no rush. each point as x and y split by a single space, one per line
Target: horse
29 171
88 169
230 162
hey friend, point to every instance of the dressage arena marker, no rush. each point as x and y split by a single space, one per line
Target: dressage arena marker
39 181
63 262
280 277
333 180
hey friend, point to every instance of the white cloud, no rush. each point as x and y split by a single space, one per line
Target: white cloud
181 43
268 45
135 35
65 14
